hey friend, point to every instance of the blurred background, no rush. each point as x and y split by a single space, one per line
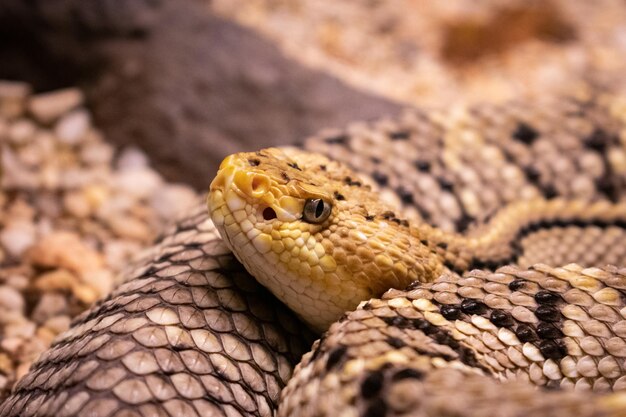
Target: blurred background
114 114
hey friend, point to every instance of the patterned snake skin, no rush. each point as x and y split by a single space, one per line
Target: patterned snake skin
191 334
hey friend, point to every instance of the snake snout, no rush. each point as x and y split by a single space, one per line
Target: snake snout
252 184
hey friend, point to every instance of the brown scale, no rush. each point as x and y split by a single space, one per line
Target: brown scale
190 333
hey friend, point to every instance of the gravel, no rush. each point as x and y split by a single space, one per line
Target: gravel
72 215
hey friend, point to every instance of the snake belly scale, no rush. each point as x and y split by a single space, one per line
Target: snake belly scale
499 229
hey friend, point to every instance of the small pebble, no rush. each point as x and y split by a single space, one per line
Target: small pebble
11 299
17 237
72 127
48 107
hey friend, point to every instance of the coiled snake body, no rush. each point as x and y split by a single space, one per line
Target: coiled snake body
507 224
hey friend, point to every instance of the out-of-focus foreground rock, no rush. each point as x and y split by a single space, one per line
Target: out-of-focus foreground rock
167 75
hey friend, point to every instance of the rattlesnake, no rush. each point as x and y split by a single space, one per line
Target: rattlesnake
190 333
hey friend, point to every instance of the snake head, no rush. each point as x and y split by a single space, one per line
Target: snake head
303 226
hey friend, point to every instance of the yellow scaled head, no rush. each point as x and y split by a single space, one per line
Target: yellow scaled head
309 230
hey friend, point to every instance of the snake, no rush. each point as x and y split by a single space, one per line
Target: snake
466 261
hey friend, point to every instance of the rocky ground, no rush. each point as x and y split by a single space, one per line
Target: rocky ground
73 212
434 53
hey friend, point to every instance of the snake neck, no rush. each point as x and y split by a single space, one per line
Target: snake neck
497 242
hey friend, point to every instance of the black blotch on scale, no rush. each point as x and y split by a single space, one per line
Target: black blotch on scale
546 297
380 178
400 135
337 140
598 140
422 165
294 165
377 408
552 349
405 195
525 133
525 333
407 373
450 312
548 331
351 182
547 313
339 196
501 318
254 162
472 307
395 342
372 384
336 356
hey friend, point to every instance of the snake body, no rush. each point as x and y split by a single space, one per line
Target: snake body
466 207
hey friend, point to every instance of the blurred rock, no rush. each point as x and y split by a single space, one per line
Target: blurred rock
72 127
48 107
168 76
13 97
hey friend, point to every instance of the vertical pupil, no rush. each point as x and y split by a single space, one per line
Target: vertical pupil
320 208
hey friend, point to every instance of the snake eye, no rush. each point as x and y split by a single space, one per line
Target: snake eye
316 210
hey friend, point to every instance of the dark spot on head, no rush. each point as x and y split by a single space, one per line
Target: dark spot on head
388 215
369 217
285 176
323 167
254 162
525 333
517 284
339 196
525 133
372 384
294 165
400 135
501 318
380 178
350 181
339 139
548 331
424 242
375 159
422 165
450 312
552 349
547 313
472 307
442 245
377 408
407 373
546 297
335 356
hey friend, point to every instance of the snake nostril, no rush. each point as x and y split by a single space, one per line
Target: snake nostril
259 185
269 213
